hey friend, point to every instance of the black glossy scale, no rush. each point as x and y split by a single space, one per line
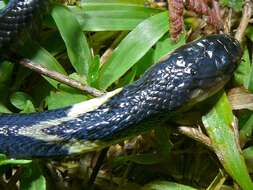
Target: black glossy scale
190 74
17 17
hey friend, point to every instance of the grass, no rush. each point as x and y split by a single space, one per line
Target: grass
109 44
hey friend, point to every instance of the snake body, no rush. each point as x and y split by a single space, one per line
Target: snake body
190 74
16 17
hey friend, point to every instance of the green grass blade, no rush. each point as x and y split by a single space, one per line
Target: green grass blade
244 72
111 17
166 45
32 178
75 41
39 55
5 161
141 2
166 185
246 130
132 48
218 123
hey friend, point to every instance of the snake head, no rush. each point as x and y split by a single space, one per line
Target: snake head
191 73
215 64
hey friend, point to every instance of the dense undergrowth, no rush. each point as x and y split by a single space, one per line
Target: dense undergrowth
107 45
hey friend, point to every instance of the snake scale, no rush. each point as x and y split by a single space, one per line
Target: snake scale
190 74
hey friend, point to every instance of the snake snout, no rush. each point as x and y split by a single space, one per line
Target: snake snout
228 52
215 68
232 47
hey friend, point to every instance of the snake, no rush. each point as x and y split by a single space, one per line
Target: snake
188 75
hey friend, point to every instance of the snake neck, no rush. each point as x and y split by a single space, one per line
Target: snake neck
190 74
155 95
83 127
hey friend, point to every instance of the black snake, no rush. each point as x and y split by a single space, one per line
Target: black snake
190 74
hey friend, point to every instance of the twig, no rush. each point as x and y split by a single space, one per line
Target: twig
196 135
227 21
246 15
60 77
109 51
98 165
14 179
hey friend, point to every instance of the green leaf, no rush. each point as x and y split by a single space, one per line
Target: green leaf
76 43
128 78
111 16
243 68
235 4
29 107
14 162
249 32
22 101
5 161
132 48
246 130
145 62
218 123
141 2
62 99
53 42
167 45
32 178
248 155
244 72
166 185
6 71
4 109
39 55
94 71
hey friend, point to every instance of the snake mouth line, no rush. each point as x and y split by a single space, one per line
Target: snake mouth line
212 78
209 77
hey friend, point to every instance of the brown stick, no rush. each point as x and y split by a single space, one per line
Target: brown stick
196 134
14 179
60 77
246 15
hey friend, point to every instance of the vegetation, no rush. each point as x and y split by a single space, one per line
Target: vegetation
107 45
